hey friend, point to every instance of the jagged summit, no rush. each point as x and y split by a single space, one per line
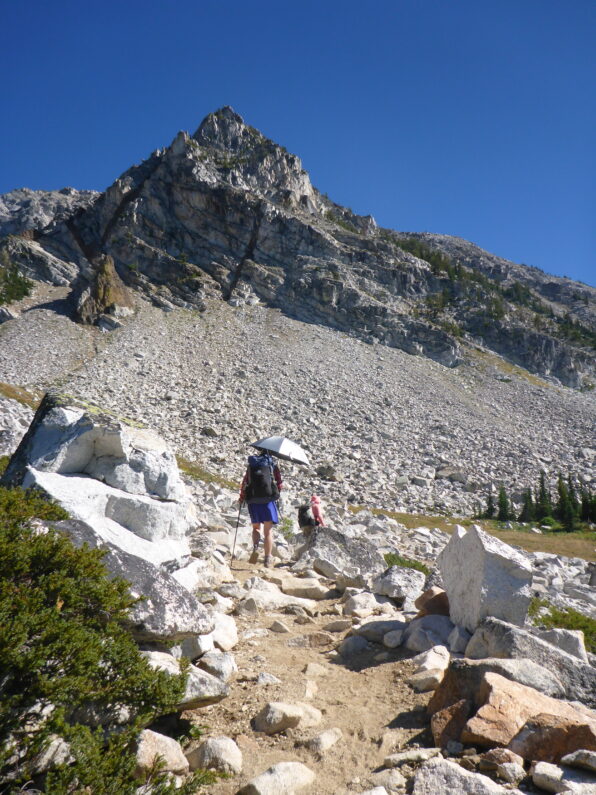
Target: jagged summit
223 129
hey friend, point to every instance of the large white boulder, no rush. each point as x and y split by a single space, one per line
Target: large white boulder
484 577
121 480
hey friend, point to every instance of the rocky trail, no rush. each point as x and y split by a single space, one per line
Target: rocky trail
369 701
336 671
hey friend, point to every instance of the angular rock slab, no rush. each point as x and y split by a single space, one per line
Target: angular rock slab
441 777
334 554
560 779
549 738
400 583
284 777
464 677
495 638
424 633
167 612
201 688
484 577
505 708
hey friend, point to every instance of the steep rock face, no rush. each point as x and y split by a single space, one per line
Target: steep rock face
102 293
25 209
229 213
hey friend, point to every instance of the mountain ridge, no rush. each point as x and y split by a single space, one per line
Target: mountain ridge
227 212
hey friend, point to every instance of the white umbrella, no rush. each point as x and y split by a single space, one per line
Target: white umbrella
283 448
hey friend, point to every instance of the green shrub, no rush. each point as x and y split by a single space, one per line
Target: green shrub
544 614
393 559
13 285
69 664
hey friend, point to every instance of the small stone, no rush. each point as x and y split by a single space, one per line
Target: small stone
315 669
584 759
391 779
324 741
340 625
412 756
394 638
218 663
284 777
217 753
279 626
553 778
423 681
277 717
265 679
152 746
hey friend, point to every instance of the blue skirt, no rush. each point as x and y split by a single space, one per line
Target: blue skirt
263 513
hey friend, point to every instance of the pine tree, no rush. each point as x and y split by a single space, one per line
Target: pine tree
584 513
564 508
528 511
575 503
544 507
562 498
504 513
490 507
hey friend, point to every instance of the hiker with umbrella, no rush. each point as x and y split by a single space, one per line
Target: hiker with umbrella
261 487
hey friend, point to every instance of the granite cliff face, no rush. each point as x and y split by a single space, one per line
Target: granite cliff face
228 213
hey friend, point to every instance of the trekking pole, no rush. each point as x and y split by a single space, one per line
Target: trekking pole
236 533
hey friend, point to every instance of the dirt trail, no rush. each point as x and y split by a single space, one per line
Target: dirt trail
368 700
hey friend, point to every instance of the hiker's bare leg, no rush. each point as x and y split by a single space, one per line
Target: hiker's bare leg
268 537
256 535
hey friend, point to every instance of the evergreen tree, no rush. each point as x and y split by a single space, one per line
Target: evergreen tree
575 503
504 512
584 513
564 508
544 506
490 507
528 511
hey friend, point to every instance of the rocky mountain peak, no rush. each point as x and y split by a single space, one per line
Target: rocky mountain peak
224 129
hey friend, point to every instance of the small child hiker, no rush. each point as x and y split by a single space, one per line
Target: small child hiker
310 515
260 489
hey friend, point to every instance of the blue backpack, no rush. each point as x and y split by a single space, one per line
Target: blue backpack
261 486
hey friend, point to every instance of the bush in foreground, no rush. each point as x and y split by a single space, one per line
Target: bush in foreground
69 667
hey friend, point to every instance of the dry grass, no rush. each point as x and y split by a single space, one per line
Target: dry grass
581 544
195 470
507 368
27 398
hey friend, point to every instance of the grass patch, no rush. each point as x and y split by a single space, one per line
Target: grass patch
579 544
508 368
393 559
286 528
194 470
543 614
23 396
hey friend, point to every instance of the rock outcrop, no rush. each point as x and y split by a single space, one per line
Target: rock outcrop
484 577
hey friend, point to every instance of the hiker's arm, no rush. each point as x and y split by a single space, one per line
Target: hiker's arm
243 487
277 476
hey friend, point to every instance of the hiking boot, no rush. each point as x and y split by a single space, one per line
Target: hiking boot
267 561
254 555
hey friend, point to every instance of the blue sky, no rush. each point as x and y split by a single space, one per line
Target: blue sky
467 117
